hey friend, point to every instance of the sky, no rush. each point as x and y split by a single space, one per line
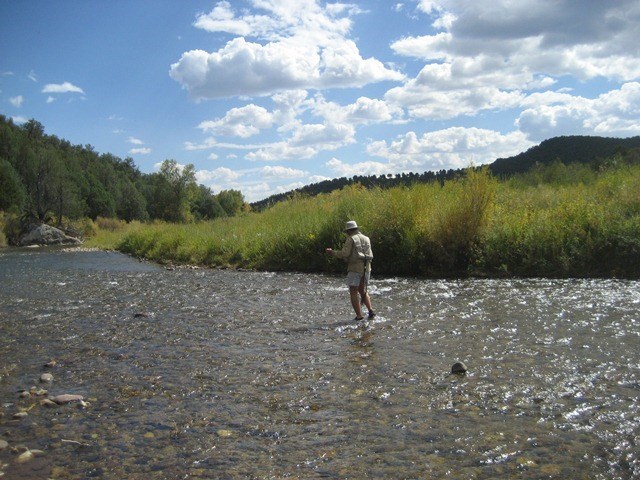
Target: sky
265 96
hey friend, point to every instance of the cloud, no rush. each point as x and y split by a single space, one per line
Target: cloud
135 141
32 76
65 87
279 173
488 54
241 122
363 111
140 151
219 174
17 101
342 169
305 46
222 19
451 148
51 99
307 140
614 113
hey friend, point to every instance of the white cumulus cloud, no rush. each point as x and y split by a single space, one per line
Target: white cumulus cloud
65 87
489 53
614 113
140 151
240 122
451 148
303 46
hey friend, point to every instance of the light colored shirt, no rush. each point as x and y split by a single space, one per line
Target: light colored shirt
350 253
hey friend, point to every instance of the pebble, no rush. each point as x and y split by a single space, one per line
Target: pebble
67 398
51 364
3 444
459 368
225 433
19 415
48 403
46 377
25 456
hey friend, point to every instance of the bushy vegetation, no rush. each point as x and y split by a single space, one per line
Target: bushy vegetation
556 220
45 179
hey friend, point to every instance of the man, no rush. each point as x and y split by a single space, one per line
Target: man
358 255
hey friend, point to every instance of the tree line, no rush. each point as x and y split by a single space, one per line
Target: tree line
563 149
44 179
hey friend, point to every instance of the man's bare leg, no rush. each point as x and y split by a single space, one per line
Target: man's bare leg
355 301
364 294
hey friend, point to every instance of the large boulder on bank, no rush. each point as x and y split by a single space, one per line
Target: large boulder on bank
47 235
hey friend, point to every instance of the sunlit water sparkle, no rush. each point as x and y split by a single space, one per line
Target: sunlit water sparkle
263 375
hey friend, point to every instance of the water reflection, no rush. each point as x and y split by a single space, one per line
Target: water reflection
224 374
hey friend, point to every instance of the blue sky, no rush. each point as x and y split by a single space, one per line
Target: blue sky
264 96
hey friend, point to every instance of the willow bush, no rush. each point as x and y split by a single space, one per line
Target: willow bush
543 225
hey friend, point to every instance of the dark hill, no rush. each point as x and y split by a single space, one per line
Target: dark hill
570 149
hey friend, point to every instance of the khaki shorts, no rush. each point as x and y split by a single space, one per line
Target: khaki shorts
354 278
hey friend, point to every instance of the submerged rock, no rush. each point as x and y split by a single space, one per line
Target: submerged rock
46 378
47 235
459 368
67 398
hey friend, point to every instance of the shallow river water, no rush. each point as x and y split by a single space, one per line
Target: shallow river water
194 373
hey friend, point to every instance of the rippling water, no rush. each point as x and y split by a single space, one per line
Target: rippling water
262 375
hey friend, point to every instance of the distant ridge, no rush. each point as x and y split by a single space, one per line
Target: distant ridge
567 149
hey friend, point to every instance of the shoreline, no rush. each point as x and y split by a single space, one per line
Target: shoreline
169 264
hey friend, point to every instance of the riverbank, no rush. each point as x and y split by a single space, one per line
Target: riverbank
556 221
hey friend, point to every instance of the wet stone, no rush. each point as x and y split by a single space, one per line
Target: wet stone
67 398
46 378
459 368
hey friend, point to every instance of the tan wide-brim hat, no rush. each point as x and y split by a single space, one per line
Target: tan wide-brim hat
350 225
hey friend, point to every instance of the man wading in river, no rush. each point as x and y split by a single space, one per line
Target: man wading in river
358 255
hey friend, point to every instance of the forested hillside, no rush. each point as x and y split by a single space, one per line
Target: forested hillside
567 150
44 178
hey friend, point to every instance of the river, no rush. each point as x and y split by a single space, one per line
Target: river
197 373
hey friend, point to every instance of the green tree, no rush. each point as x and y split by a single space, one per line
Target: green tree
231 201
172 192
12 191
131 205
206 206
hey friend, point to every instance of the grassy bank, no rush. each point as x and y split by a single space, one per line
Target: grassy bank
567 222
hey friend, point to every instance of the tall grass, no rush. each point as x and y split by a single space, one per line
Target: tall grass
472 225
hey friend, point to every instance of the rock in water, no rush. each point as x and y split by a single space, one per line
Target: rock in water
459 368
47 235
67 398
